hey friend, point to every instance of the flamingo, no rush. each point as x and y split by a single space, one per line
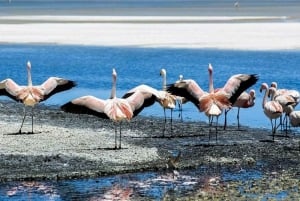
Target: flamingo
285 101
291 92
272 109
115 109
245 100
31 95
213 102
294 116
169 100
160 96
286 97
180 100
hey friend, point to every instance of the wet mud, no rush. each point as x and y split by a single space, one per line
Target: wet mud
65 146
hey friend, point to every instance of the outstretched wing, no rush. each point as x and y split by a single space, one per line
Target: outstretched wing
55 85
138 100
86 105
188 89
9 88
237 84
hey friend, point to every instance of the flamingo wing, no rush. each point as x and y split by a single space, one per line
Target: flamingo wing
273 109
295 118
11 89
188 89
139 100
237 84
55 85
86 105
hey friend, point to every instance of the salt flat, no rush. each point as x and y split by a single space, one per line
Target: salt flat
257 33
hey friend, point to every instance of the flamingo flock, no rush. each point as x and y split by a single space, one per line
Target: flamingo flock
275 104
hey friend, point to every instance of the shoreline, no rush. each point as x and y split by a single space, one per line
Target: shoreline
68 146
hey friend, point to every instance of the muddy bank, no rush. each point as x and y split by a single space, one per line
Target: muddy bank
75 146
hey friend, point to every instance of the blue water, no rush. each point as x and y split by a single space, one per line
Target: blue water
150 185
91 68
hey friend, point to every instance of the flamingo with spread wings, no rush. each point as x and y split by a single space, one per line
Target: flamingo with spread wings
245 100
212 103
31 95
115 109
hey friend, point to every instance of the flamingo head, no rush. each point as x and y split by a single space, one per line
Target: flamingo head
252 93
274 84
180 77
210 68
114 73
264 86
272 91
28 65
163 72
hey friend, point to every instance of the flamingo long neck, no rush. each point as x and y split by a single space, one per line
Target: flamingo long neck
29 76
265 99
114 82
164 81
211 82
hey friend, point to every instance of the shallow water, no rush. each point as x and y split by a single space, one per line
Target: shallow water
149 185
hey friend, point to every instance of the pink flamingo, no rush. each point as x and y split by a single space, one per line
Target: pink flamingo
180 100
31 95
161 96
294 116
169 100
115 109
245 100
285 97
291 92
213 103
272 109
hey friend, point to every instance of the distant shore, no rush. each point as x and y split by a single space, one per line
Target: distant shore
240 33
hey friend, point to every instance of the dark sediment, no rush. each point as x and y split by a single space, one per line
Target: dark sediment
75 146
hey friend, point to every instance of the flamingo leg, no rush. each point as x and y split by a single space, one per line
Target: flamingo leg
32 120
180 110
217 129
272 129
225 119
210 119
171 121
120 135
165 115
165 122
238 118
115 124
286 124
20 130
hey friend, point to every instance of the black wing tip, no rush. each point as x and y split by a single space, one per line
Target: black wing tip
70 107
127 95
70 84
254 77
67 107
